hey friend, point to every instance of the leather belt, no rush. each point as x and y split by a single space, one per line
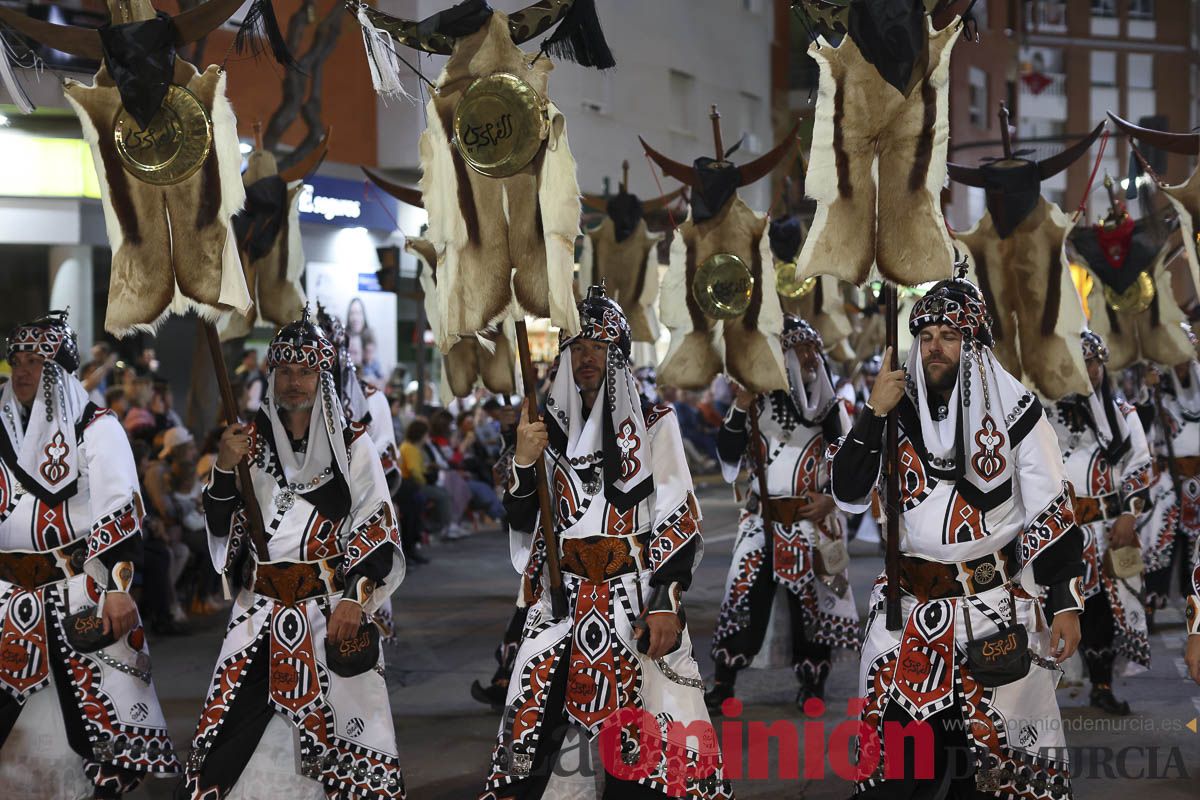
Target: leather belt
1185 466
786 510
932 580
1097 508
292 582
32 569
600 559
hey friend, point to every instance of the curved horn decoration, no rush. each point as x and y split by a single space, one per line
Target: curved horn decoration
192 26
1187 144
594 202
534 20
680 172
308 165
1055 164
762 165
404 194
72 39
967 176
404 31
662 201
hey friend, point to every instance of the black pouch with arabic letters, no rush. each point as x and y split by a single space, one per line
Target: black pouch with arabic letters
355 655
85 631
1001 658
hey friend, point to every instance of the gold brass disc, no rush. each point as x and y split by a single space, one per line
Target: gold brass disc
1135 299
722 286
499 125
786 283
173 146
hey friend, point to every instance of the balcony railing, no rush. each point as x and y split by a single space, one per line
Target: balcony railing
1047 16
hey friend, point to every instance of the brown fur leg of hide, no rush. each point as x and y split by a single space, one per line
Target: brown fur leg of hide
480 283
462 366
914 246
1163 344
198 234
526 245
749 361
279 299
693 365
846 246
496 369
136 296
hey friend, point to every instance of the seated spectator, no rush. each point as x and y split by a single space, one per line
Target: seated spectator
415 467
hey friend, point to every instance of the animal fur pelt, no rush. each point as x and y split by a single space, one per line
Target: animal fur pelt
1036 311
498 239
273 279
1152 335
862 121
1185 199
487 357
629 269
746 347
173 247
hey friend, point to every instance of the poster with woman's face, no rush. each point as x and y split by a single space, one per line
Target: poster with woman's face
369 315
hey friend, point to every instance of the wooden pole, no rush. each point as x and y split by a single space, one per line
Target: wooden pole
715 116
892 490
760 470
558 595
624 187
229 409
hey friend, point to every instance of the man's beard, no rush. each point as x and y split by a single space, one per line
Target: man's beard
303 405
944 384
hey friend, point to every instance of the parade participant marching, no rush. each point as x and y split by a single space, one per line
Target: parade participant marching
299 655
805 549
1107 462
1174 530
628 535
985 520
73 653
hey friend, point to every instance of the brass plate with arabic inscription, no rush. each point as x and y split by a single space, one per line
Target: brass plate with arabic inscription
1135 299
786 283
722 286
499 125
173 146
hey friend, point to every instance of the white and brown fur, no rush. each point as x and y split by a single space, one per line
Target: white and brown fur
1036 312
747 347
173 246
498 238
1152 335
877 168
487 357
274 279
629 270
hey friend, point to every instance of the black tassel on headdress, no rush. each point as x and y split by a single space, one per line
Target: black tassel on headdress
580 38
260 24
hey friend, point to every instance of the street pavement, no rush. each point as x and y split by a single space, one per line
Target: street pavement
452 613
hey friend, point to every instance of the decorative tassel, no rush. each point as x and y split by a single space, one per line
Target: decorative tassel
8 78
580 38
1135 169
261 24
383 60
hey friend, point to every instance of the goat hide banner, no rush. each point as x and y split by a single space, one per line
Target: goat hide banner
877 166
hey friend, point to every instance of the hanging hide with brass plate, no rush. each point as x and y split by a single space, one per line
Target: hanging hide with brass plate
498 178
1184 197
1131 303
816 299
164 142
719 296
